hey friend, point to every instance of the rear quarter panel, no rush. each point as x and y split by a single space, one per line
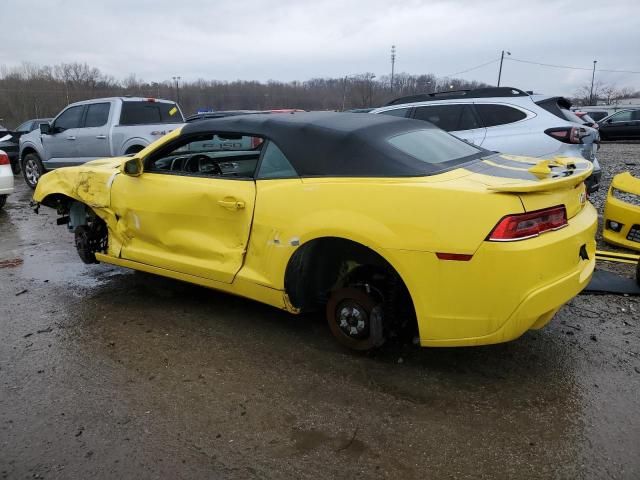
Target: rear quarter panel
426 214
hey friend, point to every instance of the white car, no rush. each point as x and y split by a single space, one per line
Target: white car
506 120
6 178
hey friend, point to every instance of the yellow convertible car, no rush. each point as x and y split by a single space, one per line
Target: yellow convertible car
388 224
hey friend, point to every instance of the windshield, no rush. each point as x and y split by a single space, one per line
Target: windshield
597 116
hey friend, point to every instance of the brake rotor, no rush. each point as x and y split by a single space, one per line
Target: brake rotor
355 318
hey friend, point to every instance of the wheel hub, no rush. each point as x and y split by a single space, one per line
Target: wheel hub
352 319
31 171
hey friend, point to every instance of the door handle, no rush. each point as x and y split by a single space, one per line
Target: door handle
101 137
231 204
71 137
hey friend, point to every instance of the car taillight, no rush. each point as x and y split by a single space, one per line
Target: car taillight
255 142
528 225
4 158
567 134
460 257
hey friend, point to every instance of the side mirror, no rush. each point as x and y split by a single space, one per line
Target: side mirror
45 128
132 167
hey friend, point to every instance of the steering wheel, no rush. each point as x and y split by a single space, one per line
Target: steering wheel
193 164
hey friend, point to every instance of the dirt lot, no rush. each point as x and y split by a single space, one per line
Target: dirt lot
107 373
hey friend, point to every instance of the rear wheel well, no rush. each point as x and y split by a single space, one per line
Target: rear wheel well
323 265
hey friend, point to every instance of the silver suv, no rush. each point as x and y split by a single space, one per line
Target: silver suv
506 120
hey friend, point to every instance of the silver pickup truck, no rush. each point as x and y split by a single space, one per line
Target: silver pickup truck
98 128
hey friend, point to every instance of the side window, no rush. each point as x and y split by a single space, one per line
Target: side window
449 118
146 113
70 118
635 115
97 114
200 155
25 127
398 112
494 115
275 164
622 116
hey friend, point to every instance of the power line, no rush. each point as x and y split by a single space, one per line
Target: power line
567 66
472 68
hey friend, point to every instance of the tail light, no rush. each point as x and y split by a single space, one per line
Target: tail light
567 134
4 158
529 225
255 142
460 257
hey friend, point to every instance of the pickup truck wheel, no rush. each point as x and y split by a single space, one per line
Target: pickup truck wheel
3 200
32 169
355 318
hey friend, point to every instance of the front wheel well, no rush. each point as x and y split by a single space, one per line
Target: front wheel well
59 201
27 151
323 265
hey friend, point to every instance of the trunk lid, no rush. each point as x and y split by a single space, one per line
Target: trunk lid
538 183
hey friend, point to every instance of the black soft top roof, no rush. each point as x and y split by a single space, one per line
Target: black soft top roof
330 143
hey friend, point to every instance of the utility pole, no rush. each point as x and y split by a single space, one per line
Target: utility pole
393 64
501 60
370 85
593 76
177 80
344 91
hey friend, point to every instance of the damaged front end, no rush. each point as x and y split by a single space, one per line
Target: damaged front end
81 197
622 212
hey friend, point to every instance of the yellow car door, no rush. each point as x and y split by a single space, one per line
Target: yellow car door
197 224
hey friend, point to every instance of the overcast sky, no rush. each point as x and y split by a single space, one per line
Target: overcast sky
298 40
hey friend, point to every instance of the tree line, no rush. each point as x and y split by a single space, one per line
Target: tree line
33 91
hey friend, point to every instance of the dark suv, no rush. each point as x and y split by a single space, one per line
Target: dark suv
10 145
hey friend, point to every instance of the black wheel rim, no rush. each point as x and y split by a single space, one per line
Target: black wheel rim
352 319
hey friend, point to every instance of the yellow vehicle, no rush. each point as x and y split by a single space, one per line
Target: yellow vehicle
389 224
622 212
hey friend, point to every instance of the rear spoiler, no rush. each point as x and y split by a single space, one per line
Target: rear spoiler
553 174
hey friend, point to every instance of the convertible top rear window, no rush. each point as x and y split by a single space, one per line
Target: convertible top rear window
329 144
432 146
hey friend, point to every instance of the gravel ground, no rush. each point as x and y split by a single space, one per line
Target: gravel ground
108 373
614 158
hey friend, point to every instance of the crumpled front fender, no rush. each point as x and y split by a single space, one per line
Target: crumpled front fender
89 183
